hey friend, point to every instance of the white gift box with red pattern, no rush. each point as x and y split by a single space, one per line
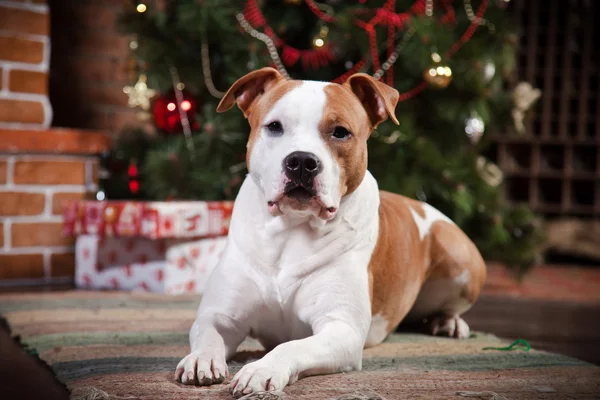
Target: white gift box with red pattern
162 266
166 247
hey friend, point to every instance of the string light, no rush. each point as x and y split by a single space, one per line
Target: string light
319 42
473 18
429 8
185 122
422 6
208 81
266 40
186 105
171 106
394 56
141 8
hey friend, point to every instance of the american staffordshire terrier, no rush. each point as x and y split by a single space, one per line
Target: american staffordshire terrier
319 263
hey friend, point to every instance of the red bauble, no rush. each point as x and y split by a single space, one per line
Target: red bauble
166 112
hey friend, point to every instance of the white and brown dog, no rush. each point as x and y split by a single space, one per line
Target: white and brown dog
319 263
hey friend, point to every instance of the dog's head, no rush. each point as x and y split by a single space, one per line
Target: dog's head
308 141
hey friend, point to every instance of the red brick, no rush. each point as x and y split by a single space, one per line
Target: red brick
19 266
23 50
2 172
21 203
49 172
59 200
95 172
62 264
54 140
24 21
31 112
28 82
28 234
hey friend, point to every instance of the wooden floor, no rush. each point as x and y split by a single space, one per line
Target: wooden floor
554 310
567 328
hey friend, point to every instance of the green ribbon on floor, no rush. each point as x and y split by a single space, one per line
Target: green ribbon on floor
519 344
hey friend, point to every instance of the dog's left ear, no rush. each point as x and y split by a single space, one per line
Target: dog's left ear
377 98
246 90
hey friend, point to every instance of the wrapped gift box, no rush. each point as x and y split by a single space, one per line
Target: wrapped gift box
165 247
164 265
151 220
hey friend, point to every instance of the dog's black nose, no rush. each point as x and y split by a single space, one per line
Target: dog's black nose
301 167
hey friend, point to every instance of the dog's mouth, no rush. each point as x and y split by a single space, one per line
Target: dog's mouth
299 198
299 193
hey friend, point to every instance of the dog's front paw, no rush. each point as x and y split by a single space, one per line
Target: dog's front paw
200 369
259 376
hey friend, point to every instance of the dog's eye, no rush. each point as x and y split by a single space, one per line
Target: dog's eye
341 133
275 128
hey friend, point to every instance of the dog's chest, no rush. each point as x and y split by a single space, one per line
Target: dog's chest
280 315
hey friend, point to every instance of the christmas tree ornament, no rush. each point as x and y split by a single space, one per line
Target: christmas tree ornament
524 96
166 112
139 94
132 173
489 71
439 74
489 172
474 127
320 39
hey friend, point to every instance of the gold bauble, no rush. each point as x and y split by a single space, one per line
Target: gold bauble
438 76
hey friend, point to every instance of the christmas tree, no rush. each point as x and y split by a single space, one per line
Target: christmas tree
452 61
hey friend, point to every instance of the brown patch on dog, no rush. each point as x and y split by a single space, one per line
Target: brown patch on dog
378 99
400 259
402 262
342 108
453 253
255 94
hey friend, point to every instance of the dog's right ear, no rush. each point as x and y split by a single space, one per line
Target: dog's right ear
246 90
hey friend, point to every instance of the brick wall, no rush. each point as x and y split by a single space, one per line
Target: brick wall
33 191
24 62
89 66
40 167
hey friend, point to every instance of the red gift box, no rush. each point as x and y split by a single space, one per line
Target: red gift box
153 220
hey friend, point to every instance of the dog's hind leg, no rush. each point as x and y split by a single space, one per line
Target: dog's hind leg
453 283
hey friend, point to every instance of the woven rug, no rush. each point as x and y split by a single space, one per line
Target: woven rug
126 346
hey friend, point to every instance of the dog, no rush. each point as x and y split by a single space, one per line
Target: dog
319 263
